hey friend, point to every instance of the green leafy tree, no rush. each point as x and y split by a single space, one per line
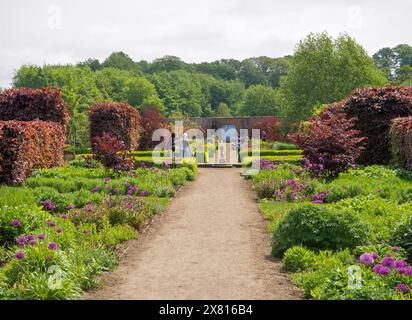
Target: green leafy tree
120 60
261 100
324 70
222 110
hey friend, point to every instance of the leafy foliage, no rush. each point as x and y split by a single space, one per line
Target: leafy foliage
329 141
401 141
25 146
151 120
117 119
374 109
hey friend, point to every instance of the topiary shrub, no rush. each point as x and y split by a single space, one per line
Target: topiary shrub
318 227
374 109
25 146
151 120
118 119
401 141
329 142
26 104
112 153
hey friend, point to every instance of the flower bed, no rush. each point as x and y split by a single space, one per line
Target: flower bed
323 227
61 228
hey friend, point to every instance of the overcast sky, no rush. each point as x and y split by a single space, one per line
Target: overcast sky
44 31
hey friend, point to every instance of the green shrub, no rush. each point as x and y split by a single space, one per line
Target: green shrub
318 227
30 217
402 236
298 259
15 196
382 215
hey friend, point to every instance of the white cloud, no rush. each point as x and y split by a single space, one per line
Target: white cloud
201 30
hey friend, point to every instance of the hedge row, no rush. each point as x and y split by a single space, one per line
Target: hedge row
119 119
401 141
374 110
27 145
26 104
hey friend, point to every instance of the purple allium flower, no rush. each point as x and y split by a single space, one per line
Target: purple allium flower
65 216
40 236
144 193
375 256
51 223
107 200
75 214
384 271
377 268
52 246
402 270
106 180
32 242
85 231
317 202
21 241
30 237
115 190
367 258
19 255
59 230
395 249
388 262
48 205
402 287
16 223
142 165
408 271
70 207
400 264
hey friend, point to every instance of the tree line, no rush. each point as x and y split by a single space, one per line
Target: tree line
322 70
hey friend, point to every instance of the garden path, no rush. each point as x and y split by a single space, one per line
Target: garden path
211 243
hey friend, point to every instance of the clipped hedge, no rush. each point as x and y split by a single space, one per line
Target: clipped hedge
401 141
115 118
25 146
375 108
26 104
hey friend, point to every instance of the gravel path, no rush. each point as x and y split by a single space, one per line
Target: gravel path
211 243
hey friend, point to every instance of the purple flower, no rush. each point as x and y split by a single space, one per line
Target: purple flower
49 258
142 165
384 271
367 258
106 180
402 287
144 193
85 231
375 256
19 255
69 207
51 223
395 249
107 200
89 208
32 242
21 241
388 262
59 230
48 205
65 216
400 264
402 270
16 223
40 236
317 202
377 268
52 246
115 190
75 214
